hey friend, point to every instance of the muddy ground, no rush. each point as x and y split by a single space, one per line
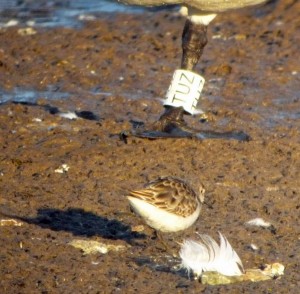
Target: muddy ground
114 71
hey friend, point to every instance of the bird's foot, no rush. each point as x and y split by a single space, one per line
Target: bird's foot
172 125
167 245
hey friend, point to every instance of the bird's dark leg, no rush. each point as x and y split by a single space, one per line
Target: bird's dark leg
165 245
160 237
194 40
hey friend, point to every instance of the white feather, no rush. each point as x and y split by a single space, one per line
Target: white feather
259 222
69 115
206 255
254 247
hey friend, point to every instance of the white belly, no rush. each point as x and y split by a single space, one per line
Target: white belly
160 219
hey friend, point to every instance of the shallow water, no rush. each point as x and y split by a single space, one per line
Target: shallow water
58 13
18 95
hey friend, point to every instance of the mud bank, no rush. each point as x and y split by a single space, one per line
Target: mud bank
64 179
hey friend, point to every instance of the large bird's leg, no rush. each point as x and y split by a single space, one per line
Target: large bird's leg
183 97
194 40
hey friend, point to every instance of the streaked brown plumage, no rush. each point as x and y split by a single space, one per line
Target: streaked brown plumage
167 204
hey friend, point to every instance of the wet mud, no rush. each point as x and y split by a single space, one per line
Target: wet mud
65 179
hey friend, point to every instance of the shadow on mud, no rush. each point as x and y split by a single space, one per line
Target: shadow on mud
176 131
82 223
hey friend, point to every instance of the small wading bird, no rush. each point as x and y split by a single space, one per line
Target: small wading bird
167 204
184 91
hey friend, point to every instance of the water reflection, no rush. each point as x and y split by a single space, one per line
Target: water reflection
30 96
57 13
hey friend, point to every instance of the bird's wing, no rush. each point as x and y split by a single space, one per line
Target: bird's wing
170 194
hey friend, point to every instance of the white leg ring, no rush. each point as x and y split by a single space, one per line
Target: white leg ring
185 90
